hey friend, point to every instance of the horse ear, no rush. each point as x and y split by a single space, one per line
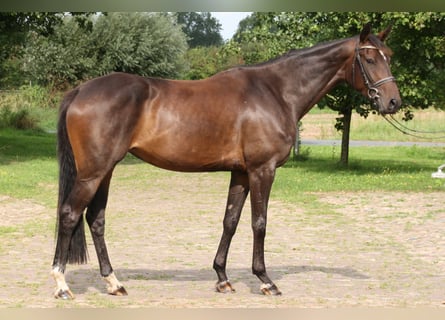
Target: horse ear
384 34
365 32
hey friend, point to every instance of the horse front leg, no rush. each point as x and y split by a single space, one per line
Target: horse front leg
260 182
238 190
96 221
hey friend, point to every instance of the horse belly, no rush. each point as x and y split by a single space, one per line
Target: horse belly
179 152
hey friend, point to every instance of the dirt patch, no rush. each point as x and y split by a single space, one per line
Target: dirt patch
362 249
14 212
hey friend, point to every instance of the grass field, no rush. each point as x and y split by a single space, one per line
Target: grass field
319 124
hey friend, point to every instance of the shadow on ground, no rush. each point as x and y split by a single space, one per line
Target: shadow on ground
81 280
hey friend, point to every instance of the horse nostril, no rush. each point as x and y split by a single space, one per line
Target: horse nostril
393 104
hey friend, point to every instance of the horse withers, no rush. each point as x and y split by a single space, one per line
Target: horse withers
242 120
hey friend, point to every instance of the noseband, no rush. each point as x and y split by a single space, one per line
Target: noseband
373 92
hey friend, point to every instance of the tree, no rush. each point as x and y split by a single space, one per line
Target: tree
202 62
142 43
148 44
265 35
60 58
14 27
201 28
418 40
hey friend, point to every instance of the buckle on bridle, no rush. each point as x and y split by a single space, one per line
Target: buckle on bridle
373 93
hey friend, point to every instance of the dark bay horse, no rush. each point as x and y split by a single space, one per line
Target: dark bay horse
242 120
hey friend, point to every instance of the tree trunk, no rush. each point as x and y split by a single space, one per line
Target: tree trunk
344 156
297 142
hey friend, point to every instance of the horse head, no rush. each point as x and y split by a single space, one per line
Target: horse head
370 71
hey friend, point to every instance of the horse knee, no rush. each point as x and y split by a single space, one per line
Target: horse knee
259 226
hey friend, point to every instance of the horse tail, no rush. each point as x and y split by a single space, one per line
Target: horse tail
77 252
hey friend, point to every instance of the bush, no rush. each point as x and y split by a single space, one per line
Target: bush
20 119
148 44
28 108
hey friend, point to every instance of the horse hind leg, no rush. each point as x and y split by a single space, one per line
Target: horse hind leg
95 217
239 188
71 244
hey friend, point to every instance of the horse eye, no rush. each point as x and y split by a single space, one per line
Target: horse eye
370 61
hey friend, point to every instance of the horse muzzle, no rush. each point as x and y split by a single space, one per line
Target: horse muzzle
391 107
384 106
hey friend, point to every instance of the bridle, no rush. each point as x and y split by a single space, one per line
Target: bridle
373 92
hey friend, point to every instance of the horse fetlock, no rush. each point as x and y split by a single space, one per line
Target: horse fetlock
270 289
114 287
118 292
64 294
62 290
224 287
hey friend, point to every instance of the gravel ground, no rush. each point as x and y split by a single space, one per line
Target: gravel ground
375 249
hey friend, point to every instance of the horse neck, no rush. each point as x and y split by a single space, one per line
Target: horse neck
310 74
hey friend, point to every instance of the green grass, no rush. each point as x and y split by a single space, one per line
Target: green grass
30 107
28 167
370 169
375 127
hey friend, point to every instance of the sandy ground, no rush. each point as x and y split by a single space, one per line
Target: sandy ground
370 249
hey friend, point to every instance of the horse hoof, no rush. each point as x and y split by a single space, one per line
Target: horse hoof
224 287
119 292
64 295
269 289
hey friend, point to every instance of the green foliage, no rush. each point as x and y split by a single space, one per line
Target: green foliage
201 28
11 73
20 119
203 62
36 96
61 58
30 107
419 60
147 44
14 27
265 35
14 30
143 43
